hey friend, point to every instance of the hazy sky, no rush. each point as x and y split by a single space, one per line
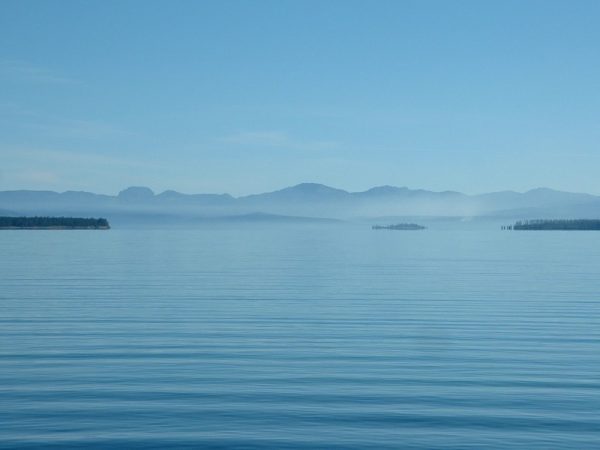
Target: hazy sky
249 96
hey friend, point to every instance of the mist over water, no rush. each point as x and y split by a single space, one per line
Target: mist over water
299 337
140 205
314 220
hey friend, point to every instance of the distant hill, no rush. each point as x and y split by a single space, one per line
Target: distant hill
304 200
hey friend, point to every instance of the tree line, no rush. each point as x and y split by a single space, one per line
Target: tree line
53 222
557 224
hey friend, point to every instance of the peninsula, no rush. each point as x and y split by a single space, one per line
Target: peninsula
569 225
52 223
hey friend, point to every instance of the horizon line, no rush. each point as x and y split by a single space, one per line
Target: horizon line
156 193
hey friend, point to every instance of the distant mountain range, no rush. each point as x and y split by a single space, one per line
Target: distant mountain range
302 202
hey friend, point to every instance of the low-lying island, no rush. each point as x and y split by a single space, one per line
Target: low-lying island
53 223
399 226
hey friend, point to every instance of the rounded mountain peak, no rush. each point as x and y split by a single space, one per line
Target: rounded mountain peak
136 193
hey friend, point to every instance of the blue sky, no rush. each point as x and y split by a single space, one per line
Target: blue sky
250 96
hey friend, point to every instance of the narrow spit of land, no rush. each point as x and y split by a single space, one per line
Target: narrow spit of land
558 224
53 223
399 226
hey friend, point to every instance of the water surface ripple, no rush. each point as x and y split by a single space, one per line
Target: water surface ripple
299 337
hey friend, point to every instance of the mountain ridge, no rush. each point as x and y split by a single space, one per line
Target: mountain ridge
304 186
308 200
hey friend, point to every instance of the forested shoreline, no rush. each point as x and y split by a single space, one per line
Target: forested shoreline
66 223
556 224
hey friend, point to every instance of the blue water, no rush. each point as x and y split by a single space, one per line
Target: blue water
299 337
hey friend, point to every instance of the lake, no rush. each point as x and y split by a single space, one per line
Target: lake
331 336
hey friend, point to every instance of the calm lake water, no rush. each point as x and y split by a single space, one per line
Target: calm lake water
300 337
